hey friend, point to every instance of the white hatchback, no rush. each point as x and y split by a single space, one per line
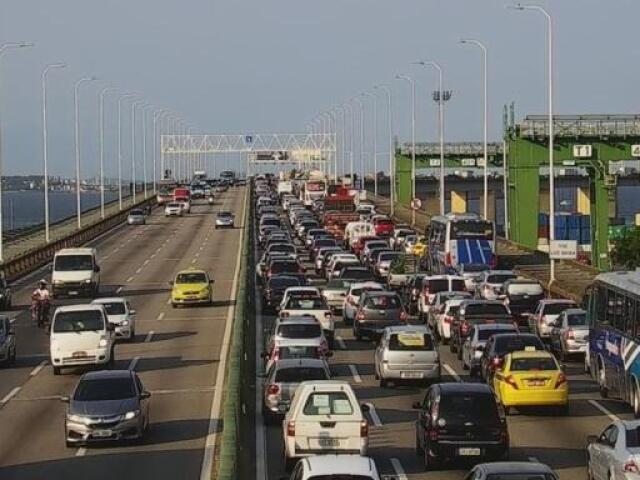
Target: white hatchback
121 315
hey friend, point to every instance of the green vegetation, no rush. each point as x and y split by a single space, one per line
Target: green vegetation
626 249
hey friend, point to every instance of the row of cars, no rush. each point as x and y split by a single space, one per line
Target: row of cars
319 416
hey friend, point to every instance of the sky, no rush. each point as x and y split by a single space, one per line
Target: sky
250 66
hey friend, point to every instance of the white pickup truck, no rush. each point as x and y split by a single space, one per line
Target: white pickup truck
307 301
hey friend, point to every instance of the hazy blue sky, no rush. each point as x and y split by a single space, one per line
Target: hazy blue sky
241 66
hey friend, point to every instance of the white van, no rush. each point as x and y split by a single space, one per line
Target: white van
355 230
75 272
324 417
81 335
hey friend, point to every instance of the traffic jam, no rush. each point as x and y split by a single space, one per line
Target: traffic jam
347 296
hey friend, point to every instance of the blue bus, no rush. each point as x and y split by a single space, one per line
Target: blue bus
613 313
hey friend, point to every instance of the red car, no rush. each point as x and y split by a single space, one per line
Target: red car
359 245
384 226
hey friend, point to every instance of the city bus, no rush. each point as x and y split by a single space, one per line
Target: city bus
613 313
459 239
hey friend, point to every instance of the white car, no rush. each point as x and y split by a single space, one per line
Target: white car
613 455
81 335
186 206
324 418
445 319
121 315
310 304
336 466
173 209
490 283
352 299
548 310
433 284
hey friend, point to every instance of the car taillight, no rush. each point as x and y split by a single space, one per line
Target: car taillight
447 259
493 262
562 378
364 428
273 389
284 314
291 429
275 356
511 381
448 319
496 362
569 335
433 434
464 328
327 314
360 316
403 316
630 466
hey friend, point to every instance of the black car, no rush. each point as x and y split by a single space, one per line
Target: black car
460 421
522 296
411 292
274 290
501 344
356 274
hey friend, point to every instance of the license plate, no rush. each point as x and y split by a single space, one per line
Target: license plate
583 348
79 354
73 292
102 433
535 383
468 452
410 374
328 442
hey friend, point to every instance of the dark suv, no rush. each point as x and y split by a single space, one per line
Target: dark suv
458 421
522 296
499 345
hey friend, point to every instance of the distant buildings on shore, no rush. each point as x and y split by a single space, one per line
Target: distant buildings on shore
36 182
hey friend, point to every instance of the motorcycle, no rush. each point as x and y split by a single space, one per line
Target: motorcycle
40 312
211 200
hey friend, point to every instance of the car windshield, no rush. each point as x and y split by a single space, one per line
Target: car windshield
577 320
514 344
284 267
324 242
104 389
485 333
300 374
226 214
557 308
376 244
485 309
524 289
460 409
70 263
356 292
299 352
633 437
475 267
282 248
356 273
191 278
452 310
532 364
115 308
472 229
305 303
500 278
383 302
411 341
80 321
136 212
328 403
299 330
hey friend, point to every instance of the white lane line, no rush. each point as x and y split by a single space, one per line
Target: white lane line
193 261
340 341
138 270
214 414
374 415
355 374
451 372
129 279
168 301
9 396
36 370
149 336
397 467
134 363
146 262
160 316
81 452
119 290
603 409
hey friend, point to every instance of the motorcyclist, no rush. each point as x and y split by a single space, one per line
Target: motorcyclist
211 199
41 299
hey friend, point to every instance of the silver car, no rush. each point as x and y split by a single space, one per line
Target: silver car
7 341
512 471
173 209
614 454
406 353
334 293
282 380
570 333
106 405
224 220
136 217
474 345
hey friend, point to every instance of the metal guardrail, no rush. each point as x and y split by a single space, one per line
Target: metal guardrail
32 260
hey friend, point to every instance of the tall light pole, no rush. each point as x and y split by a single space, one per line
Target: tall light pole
157 115
3 48
45 72
343 149
121 98
351 166
76 104
333 118
103 92
479 44
392 160
361 105
134 105
374 101
440 97
413 142
552 206
144 147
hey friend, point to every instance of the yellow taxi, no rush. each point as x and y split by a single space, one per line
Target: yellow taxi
191 286
531 378
420 247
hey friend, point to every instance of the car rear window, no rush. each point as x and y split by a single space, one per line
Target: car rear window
328 403
324 242
282 248
104 389
557 308
383 302
297 351
356 274
633 437
411 342
532 364
384 221
388 256
440 285
284 267
307 330
79 321
300 374
458 286
283 282
499 278
116 308
459 409
577 319
525 289
520 476
305 303
513 344
485 333
486 309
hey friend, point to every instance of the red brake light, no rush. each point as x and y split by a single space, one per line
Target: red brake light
496 362
360 316
562 378
291 429
464 328
364 428
273 389
569 335
276 354
511 381
284 314
631 466
403 316
448 319
433 434
327 314
447 260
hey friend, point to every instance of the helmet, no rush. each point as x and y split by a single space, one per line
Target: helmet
42 282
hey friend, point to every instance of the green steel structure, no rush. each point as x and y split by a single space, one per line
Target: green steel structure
588 141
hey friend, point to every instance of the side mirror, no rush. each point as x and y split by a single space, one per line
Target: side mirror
563 368
211 281
592 439
328 354
96 269
65 399
416 406
144 395
111 327
132 312
365 408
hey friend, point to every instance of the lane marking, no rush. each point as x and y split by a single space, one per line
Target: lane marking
129 279
340 341
169 301
36 370
81 452
148 337
160 316
146 262
604 410
375 418
355 374
397 467
138 270
119 289
9 396
451 372
134 363
193 261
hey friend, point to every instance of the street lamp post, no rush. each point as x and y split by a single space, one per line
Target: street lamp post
552 209
103 92
134 105
46 70
4 48
375 140
482 47
413 142
157 115
392 169
351 168
362 172
120 99
144 148
76 104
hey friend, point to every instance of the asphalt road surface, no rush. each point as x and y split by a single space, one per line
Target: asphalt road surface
176 353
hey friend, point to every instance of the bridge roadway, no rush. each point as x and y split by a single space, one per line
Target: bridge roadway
558 441
176 353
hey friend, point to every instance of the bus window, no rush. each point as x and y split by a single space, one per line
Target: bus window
628 316
600 307
636 317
